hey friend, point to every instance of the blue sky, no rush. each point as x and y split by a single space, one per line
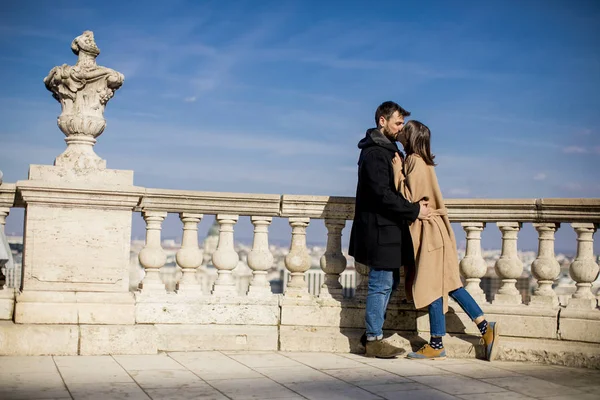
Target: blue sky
272 96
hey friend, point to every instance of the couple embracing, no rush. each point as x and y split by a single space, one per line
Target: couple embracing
400 220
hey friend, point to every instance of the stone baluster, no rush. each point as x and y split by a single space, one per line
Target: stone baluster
362 281
297 261
152 257
7 290
333 262
189 256
473 267
4 211
584 269
545 268
260 259
509 267
225 258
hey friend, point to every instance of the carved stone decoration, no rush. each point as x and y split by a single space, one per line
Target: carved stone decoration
83 91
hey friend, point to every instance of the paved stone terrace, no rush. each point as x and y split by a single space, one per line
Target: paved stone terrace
280 375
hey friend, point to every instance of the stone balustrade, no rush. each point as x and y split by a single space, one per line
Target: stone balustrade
191 319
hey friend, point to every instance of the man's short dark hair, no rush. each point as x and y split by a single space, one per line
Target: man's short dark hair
387 109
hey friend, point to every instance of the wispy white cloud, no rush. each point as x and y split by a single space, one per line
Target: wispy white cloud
27 31
333 58
539 177
174 137
214 174
499 177
321 98
575 150
339 45
581 188
524 142
536 144
190 99
145 115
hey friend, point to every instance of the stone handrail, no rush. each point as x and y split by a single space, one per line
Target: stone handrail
210 202
190 303
8 196
459 210
342 207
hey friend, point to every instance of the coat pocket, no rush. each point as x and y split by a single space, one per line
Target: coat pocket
432 236
388 231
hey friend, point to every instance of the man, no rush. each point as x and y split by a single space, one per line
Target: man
380 238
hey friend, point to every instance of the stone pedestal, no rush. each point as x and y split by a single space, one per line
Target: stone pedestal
77 239
78 213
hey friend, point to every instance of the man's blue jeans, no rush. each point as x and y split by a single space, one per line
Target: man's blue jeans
437 319
381 284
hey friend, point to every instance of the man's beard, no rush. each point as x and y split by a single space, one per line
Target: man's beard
389 135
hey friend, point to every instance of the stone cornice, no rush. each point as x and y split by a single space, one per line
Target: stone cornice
486 210
569 210
211 202
525 210
460 210
7 195
286 206
317 206
74 195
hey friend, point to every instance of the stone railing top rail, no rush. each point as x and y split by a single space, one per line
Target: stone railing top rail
459 210
7 195
211 202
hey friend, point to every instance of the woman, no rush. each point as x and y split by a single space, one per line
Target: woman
437 273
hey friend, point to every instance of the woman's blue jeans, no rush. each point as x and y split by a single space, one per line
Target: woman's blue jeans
381 284
437 319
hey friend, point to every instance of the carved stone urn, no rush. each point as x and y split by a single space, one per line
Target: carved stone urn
83 91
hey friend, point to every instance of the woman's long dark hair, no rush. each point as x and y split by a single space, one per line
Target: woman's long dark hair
418 141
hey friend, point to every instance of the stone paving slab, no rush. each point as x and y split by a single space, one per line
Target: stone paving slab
213 375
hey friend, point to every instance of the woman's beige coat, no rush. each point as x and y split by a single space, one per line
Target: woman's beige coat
436 263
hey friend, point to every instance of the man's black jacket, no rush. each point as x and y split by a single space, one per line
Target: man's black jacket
380 237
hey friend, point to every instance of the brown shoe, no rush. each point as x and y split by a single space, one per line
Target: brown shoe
382 349
427 353
490 340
